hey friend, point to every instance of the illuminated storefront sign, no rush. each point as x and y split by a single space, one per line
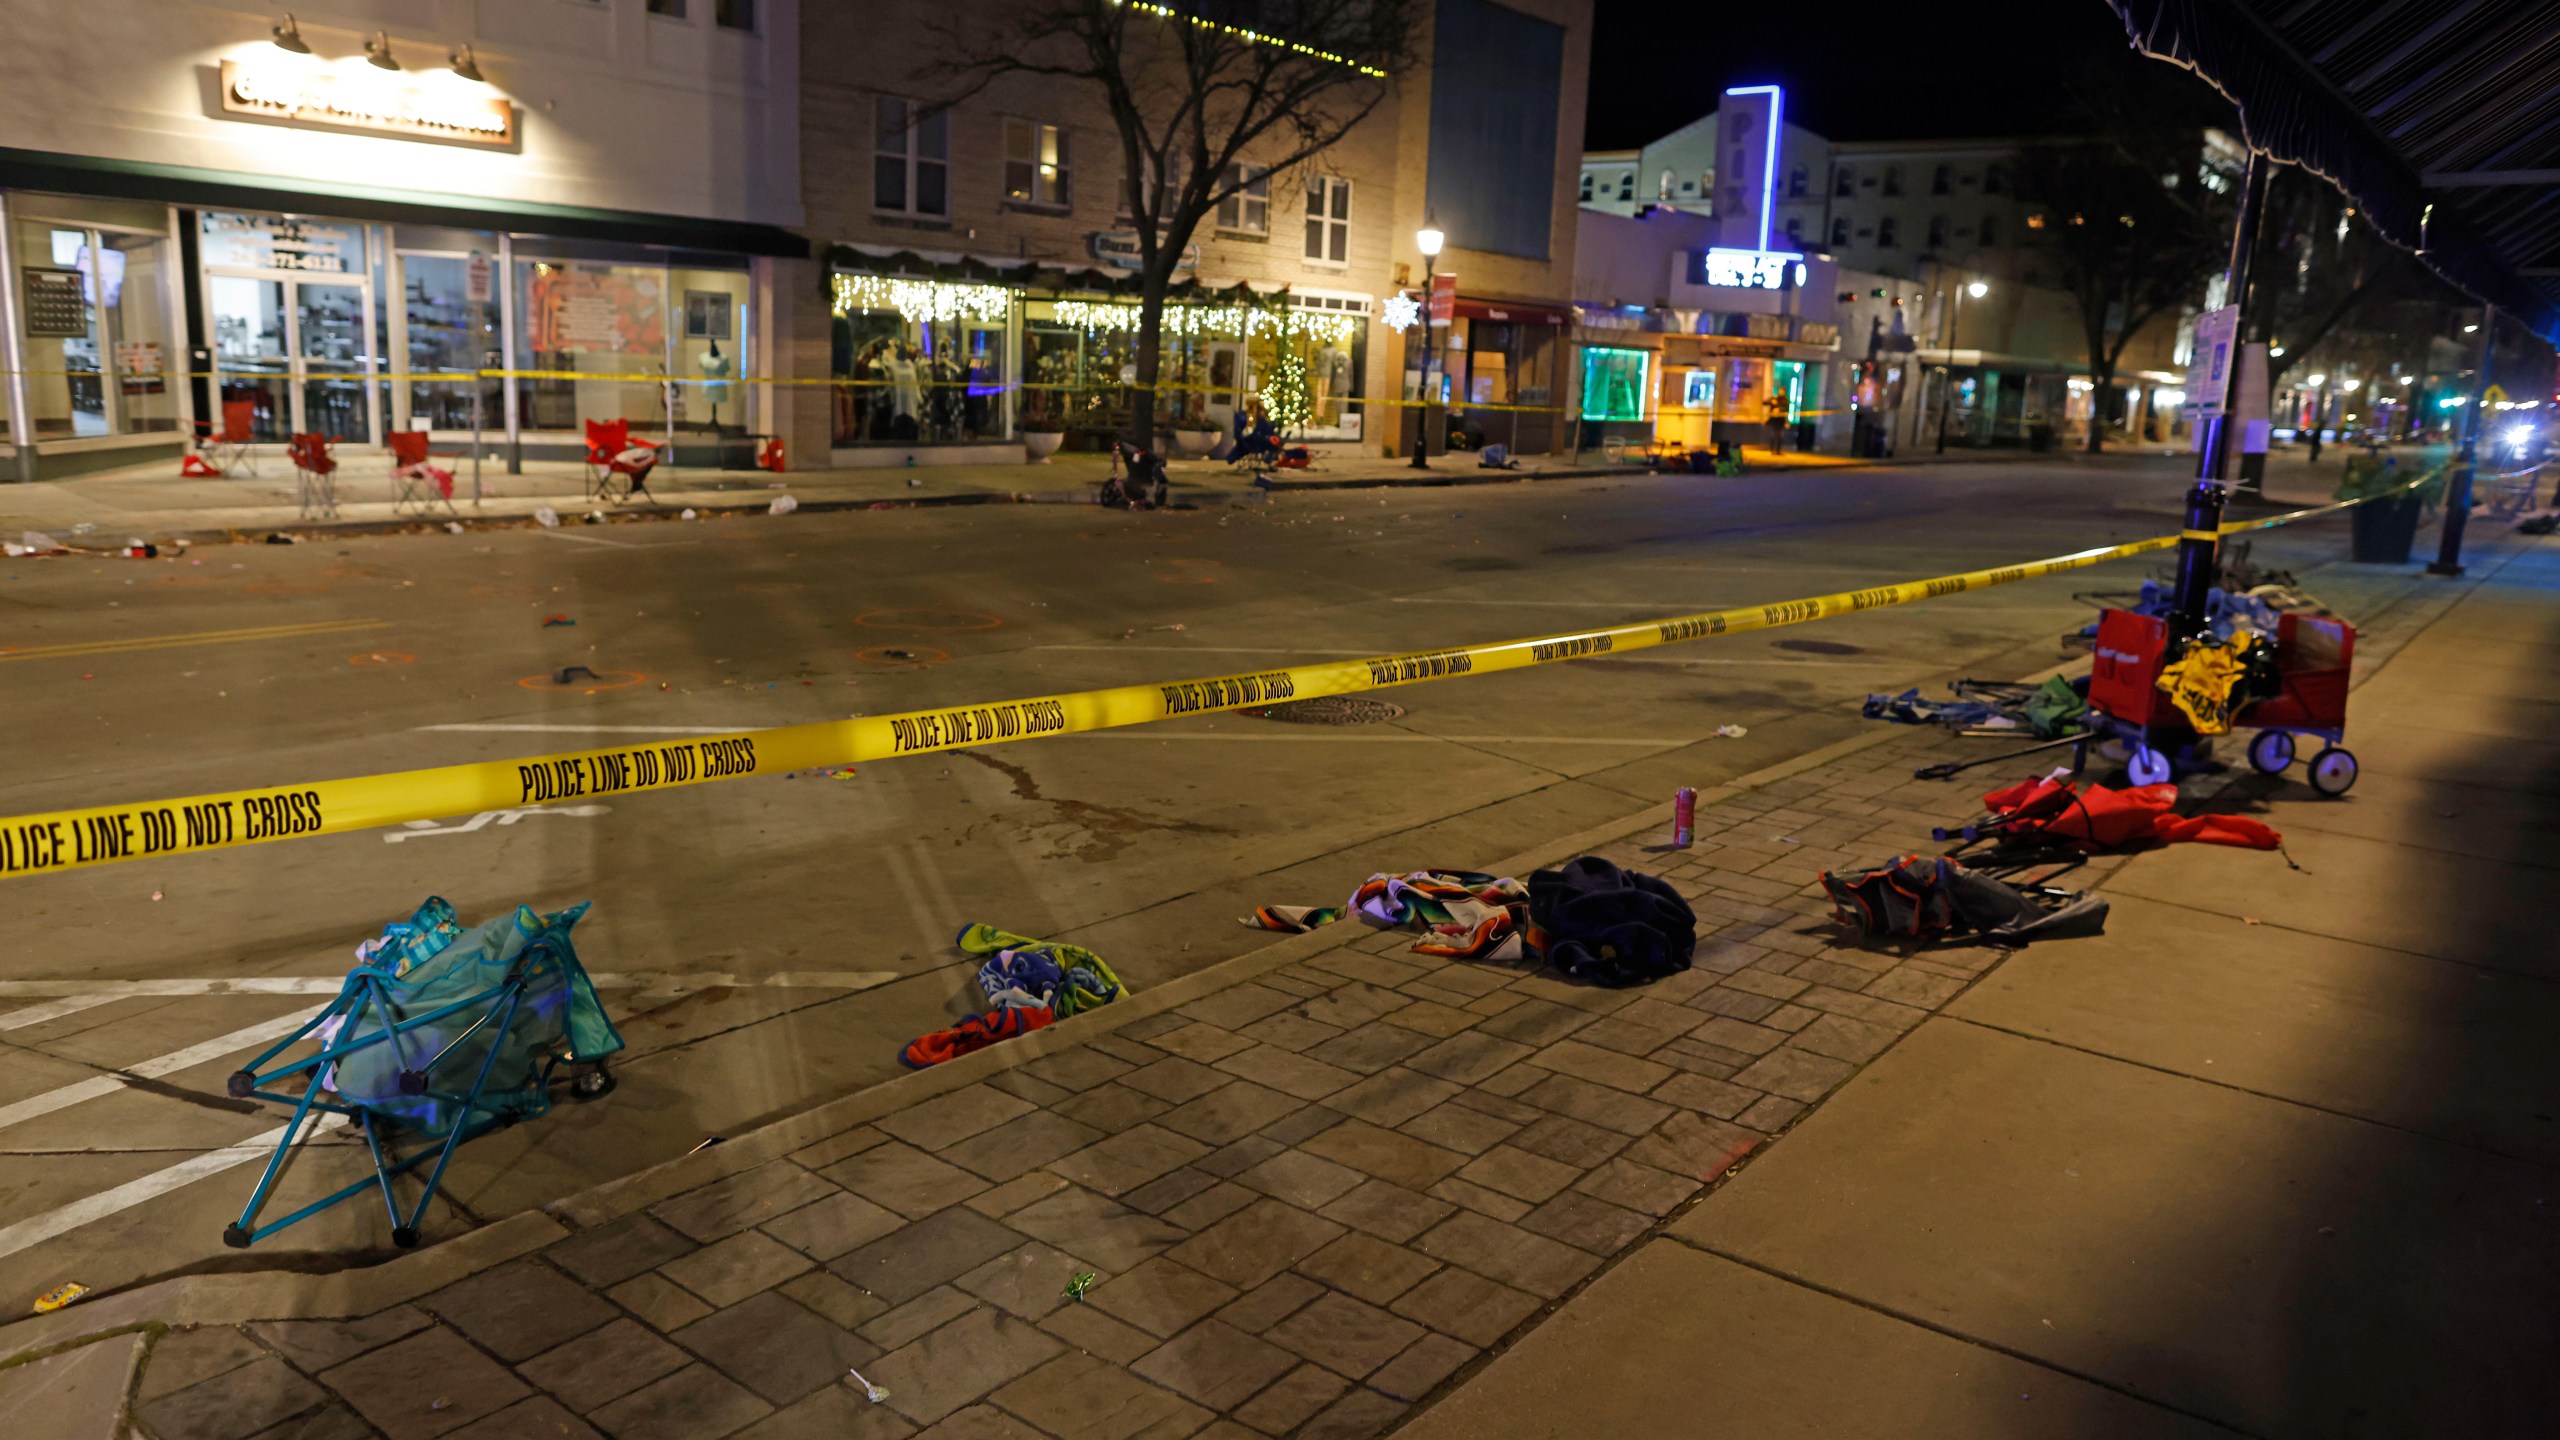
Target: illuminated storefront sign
369 100
1746 269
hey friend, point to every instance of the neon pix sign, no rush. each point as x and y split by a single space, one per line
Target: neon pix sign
1746 269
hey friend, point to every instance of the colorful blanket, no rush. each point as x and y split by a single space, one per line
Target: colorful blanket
1461 914
1019 971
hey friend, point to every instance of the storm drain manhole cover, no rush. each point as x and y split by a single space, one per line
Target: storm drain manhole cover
1329 710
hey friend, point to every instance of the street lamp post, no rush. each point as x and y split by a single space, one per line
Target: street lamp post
1947 389
1427 240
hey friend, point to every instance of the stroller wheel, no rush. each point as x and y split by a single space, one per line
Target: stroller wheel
235 1236
241 1085
405 1236
2272 752
2333 771
2146 766
593 1085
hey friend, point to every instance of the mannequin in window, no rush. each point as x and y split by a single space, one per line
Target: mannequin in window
715 375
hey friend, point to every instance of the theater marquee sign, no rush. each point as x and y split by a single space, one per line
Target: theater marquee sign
389 105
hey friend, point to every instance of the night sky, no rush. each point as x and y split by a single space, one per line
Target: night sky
1861 69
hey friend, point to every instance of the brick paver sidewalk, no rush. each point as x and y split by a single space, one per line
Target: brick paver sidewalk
1310 1199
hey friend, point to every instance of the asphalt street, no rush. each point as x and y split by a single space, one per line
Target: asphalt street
770 943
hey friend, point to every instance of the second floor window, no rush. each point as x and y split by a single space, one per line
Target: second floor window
1329 219
1586 187
1663 191
911 159
1627 186
1249 208
1036 170
1795 230
1893 179
1942 181
734 14
1990 230
1937 232
1843 182
1995 180
1796 181
1839 231
1886 239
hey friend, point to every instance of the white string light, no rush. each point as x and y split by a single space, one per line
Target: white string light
1236 320
929 300
1254 37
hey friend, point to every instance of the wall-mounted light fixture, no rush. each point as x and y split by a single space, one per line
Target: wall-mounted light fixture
288 36
377 52
467 65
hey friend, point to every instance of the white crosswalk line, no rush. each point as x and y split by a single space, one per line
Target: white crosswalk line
53 1010
37 1229
151 1069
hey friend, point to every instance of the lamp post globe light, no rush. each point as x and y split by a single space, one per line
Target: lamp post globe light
1427 240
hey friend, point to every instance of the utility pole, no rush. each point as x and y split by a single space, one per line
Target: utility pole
2216 451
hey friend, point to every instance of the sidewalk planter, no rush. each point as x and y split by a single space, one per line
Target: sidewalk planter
1039 445
2385 529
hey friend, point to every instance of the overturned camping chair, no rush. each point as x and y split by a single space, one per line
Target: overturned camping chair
440 1035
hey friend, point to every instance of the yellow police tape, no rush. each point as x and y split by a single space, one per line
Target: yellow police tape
69 839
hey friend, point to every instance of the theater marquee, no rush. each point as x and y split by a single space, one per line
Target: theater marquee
389 105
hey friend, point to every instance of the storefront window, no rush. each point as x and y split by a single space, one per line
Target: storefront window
448 335
1303 361
711 338
600 329
94 314
920 362
1613 384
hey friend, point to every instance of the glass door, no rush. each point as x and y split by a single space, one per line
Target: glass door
335 362
252 358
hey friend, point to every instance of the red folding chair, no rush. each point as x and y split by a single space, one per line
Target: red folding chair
422 482
315 473
611 451
220 448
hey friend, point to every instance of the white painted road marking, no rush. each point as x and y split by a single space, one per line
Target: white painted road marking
54 1010
97 1086
37 1229
413 829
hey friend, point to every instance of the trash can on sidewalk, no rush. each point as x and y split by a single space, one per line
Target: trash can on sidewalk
2385 529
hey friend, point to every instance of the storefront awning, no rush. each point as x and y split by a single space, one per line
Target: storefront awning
232 190
2435 118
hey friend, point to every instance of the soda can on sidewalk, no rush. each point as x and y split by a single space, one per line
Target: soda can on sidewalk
1684 817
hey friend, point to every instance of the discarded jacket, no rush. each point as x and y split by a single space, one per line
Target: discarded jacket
2052 710
1913 898
1020 971
973 1034
1596 922
1462 914
2105 819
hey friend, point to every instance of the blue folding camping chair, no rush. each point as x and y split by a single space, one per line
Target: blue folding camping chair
439 1035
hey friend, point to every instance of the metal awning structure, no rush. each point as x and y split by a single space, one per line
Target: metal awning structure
2440 119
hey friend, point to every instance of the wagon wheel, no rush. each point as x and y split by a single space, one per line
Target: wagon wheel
2333 771
2272 752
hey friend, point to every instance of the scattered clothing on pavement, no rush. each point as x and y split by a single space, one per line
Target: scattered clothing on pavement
1028 984
1462 914
2098 818
2051 710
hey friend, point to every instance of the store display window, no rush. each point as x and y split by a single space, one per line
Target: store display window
1613 383
920 362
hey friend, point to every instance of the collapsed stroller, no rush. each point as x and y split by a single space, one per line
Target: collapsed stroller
1137 480
439 1035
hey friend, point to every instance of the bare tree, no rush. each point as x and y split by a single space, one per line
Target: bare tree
1198 90
2318 265
2138 231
